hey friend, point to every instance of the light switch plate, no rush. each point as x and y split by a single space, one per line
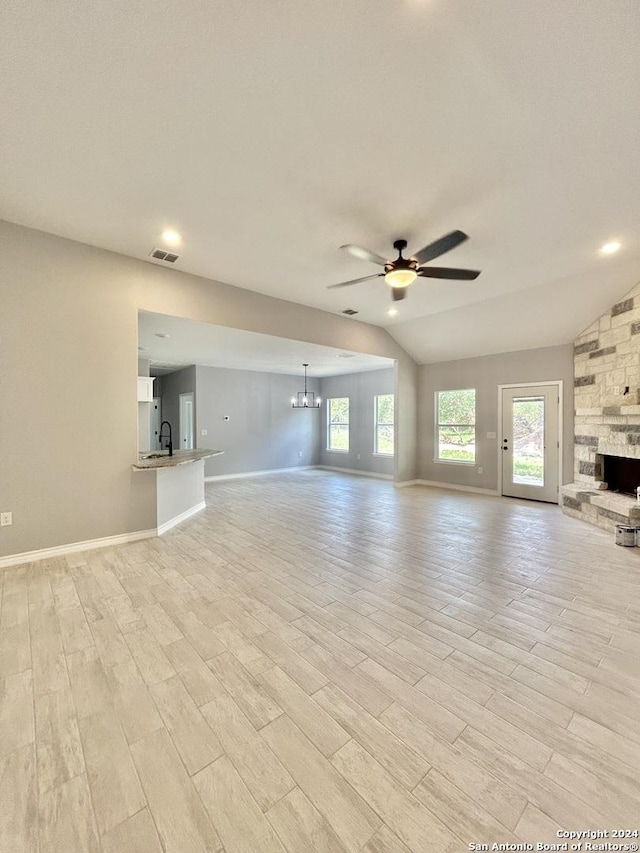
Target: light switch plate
203 432
6 519
492 435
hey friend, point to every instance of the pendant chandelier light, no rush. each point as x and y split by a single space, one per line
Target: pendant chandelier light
305 399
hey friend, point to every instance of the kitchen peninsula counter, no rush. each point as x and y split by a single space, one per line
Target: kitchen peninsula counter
148 461
177 484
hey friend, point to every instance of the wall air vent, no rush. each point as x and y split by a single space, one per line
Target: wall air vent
161 255
350 311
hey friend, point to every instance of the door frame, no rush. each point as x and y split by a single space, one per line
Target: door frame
156 442
560 385
181 400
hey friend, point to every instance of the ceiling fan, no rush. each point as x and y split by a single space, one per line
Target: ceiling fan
402 272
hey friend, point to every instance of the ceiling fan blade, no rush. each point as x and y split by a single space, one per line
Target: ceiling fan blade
398 293
439 247
355 281
448 272
364 254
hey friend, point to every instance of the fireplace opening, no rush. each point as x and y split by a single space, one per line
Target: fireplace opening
621 474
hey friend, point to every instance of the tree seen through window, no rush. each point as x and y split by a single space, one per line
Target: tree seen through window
338 423
456 425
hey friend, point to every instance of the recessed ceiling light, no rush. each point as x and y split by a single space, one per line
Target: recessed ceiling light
171 237
162 335
610 248
392 312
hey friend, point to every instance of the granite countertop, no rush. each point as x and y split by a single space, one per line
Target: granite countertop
180 457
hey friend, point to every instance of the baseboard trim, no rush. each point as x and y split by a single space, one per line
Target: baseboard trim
457 487
93 544
73 547
178 519
404 483
244 474
355 471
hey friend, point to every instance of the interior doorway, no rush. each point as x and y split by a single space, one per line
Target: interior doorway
530 449
186 421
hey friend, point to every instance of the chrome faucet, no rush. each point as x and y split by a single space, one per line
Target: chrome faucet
170 439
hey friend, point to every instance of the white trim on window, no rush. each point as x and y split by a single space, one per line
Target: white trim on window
377 424
436 444
330 424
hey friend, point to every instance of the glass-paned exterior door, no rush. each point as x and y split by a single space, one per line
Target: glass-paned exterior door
530 442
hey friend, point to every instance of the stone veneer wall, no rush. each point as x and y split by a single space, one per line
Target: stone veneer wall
607 412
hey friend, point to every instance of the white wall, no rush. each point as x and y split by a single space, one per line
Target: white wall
485 374
361 389
263 432
179 489
68 356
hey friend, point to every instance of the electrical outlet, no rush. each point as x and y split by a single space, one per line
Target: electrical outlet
6 519
358 456
203 432
479 470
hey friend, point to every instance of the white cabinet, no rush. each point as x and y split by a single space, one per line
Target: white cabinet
145 389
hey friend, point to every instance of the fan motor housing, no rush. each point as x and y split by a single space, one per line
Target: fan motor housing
402 264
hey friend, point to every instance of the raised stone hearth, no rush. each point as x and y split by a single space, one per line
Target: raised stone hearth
607 414
602 508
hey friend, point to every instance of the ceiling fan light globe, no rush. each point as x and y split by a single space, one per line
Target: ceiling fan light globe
400 278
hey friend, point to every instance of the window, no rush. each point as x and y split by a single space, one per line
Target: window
338 424
456 426
383 439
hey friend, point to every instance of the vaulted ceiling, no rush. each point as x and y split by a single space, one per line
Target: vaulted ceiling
268 134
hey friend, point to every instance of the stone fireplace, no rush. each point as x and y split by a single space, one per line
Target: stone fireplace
607 419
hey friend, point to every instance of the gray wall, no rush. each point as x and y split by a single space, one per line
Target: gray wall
485 374
406 414
360 388
263 431
68 350
168 387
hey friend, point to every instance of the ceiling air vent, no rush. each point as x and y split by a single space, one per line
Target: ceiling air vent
161 255
349 311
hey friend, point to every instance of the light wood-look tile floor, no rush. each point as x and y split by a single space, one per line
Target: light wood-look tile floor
323 663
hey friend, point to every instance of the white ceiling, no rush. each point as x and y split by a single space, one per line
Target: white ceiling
189 342
268 134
